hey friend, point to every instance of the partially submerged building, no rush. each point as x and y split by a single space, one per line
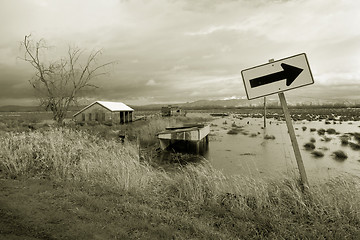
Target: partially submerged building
171 111
102 111
184 136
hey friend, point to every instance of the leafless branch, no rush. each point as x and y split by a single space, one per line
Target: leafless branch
59 83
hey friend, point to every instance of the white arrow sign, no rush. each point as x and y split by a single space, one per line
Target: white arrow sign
277 76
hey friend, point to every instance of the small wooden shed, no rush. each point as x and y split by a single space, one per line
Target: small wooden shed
102 111
172 111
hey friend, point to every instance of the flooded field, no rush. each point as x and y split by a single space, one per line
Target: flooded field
242 146
239 145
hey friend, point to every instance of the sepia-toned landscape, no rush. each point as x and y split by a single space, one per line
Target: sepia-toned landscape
179 119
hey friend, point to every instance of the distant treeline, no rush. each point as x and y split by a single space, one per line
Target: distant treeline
13 108
157 107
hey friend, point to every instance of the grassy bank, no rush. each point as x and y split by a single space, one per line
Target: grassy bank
62 183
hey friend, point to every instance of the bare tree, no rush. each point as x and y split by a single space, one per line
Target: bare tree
59 83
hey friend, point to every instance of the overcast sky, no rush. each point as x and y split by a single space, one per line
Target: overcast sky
185 50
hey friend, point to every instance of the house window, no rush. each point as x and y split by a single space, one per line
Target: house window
83 117
96 116
103 116
90 118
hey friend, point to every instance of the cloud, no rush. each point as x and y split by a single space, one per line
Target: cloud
151 82
14 84
189 50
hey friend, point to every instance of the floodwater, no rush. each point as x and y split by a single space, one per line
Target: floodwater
249 154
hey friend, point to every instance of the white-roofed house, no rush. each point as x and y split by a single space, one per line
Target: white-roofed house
102 111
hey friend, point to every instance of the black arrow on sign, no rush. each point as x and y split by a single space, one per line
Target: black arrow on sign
290 73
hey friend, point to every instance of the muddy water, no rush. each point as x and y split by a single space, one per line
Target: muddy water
248 153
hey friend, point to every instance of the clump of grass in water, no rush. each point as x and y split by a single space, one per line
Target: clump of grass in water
344 140
331 131
354 146
356 136
321 131
317 154
269 137
304 128
312 129
234 131
312 140
309 146
340 155
326 139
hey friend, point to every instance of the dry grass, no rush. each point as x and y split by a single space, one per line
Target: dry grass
230 207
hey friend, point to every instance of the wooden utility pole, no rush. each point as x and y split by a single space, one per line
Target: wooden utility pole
294 142
264 112
270 60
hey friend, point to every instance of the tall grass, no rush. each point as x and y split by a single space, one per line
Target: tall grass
242 206
148 131
70 154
